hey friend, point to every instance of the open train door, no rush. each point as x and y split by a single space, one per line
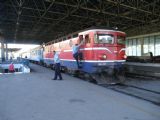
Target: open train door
85 48
81 38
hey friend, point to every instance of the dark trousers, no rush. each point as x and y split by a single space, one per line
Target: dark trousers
76 57
57 71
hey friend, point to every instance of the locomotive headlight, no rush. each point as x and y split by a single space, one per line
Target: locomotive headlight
102 57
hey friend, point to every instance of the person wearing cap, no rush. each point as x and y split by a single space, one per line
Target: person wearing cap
57 66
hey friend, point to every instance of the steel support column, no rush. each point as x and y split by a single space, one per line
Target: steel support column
6 51
2 48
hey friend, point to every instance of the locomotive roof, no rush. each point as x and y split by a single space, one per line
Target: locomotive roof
85 31
99 29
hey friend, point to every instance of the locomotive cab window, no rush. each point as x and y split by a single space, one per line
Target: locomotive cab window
121 40
104 38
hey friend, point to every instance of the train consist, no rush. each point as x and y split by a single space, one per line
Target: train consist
102 54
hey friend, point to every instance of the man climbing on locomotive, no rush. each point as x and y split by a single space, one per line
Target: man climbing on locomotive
75 51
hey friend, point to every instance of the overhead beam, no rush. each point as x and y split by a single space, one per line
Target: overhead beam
133 8
100 11
85 8
42 16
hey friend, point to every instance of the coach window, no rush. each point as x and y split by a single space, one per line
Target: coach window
48 49
70 43
75 35
60 46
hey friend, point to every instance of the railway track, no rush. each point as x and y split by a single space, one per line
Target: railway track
156 92
134 91
151 96
141 76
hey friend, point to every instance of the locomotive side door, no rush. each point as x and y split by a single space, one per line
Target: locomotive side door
87 50
81 50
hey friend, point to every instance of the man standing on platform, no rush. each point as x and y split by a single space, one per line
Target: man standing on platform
57 66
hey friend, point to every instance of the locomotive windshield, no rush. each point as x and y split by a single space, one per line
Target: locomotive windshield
121 40
104 38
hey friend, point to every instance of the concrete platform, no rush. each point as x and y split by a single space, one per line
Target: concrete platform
35 96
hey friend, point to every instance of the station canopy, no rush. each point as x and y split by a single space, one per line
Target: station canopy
38 21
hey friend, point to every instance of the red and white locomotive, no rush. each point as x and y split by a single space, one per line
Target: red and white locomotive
103 53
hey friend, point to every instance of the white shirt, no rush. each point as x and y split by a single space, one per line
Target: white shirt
56 58
75 49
